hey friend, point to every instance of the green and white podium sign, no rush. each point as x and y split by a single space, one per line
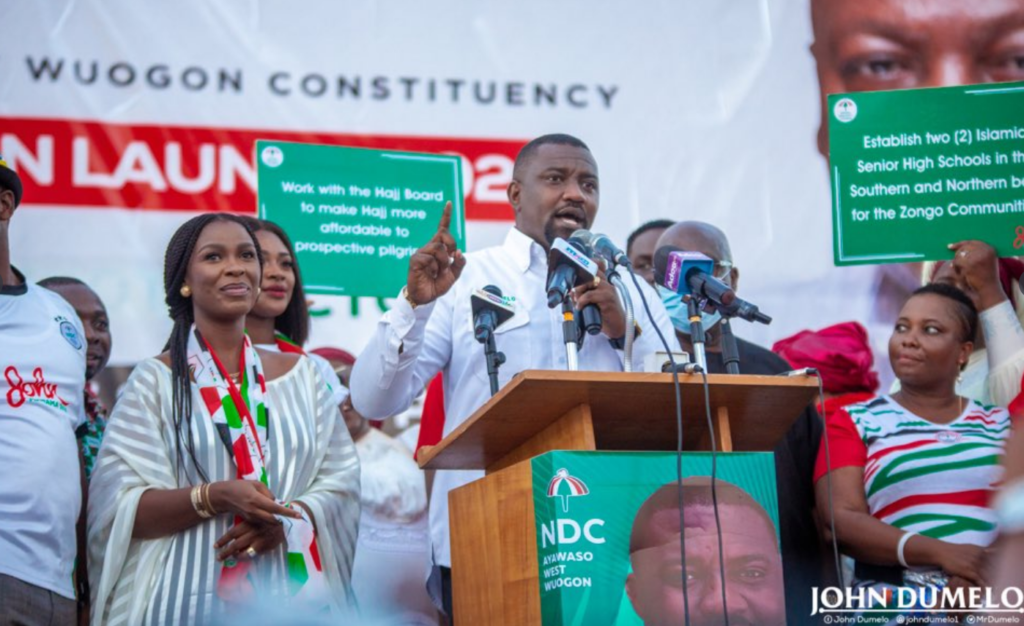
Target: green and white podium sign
915 170
355 215
608 536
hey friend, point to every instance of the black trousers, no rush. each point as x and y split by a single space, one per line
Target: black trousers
446 593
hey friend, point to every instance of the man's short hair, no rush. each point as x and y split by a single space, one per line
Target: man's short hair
557 139
659 224
9 180
60 281
657 521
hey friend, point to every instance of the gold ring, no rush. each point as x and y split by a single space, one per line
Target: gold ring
251 551
597 281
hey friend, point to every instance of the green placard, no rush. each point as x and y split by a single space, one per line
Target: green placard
354 215
592 539
915 170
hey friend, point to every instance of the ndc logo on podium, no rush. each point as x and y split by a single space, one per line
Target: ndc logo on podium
565 486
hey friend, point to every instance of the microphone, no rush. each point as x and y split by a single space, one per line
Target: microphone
604 247
489 311
745 311
689 273
569 264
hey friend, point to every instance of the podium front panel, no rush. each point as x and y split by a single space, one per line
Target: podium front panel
605 535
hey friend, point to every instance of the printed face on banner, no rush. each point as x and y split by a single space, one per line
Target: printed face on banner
752 563
609 536
872 45
555 192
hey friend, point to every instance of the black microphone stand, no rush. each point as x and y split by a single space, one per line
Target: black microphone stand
730 351
494 360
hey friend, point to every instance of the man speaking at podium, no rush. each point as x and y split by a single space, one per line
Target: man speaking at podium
554 192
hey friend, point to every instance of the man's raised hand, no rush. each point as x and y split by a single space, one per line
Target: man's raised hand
435 267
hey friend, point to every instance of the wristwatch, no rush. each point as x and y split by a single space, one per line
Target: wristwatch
620 343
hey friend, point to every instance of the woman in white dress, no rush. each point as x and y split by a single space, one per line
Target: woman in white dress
226 477
279 321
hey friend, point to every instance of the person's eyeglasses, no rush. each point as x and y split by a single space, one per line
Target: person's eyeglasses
721 269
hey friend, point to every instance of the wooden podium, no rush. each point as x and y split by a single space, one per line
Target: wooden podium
495 576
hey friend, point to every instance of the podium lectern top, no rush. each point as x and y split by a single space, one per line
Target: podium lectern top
620 411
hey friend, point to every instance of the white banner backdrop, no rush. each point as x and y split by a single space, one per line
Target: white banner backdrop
693 110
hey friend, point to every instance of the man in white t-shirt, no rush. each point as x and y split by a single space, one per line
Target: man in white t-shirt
42 362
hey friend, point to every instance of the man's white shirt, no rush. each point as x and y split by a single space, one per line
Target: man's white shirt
410 346
42 358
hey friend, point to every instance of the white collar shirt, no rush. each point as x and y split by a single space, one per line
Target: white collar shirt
411 346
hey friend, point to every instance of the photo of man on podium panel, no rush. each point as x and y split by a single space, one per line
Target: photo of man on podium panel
555 191
751 561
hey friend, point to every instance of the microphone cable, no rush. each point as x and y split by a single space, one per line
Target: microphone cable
714 494
828 475
810 371
679 443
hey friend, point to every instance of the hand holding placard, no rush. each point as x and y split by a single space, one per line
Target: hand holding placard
977 271
435 267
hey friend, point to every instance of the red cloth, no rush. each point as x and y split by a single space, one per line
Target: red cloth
840 353
1010 271
1016 406
432 418
335 354
845 447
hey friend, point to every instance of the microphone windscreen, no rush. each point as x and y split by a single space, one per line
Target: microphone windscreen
493 289
661 262
583 237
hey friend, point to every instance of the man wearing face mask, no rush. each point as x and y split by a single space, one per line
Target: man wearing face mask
802 554
554 191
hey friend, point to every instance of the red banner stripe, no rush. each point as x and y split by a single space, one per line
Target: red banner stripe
78 163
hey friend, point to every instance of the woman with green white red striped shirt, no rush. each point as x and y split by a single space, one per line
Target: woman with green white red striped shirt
912 473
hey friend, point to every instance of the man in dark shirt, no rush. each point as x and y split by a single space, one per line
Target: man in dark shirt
802 554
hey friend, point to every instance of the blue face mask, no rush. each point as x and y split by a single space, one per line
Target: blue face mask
677 312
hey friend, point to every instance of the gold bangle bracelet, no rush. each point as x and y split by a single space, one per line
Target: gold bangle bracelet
197 504
207 502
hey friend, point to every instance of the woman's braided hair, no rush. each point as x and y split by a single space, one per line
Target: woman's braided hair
176 261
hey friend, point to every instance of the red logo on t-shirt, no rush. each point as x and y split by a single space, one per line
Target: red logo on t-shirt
21 390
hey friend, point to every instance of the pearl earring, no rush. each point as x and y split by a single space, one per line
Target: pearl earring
185 291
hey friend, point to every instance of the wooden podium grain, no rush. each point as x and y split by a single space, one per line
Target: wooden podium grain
495 577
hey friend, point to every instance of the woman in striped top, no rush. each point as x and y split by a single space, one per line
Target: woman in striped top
912 473
226 479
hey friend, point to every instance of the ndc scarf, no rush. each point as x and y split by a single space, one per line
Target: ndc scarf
286 345
241 410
